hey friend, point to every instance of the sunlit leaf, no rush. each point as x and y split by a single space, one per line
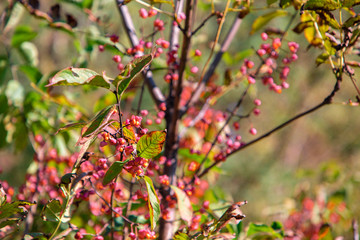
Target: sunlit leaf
184 204
122 81
113 171
153 202
265 19
79 76
51 211
151 144
328 5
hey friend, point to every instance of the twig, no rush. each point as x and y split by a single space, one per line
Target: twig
110 207
233 113
130 29
203 23
326 101
355 229
201 85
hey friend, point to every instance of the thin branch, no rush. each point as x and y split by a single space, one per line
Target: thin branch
201 85
109 206
130 29
355 229
233 113
326 101
203 23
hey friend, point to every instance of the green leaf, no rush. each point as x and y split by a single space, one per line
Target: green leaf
328 5
184 205
9 209
30 53
302 26
79 76
181 236
352 21
265 19
329 18
70 126
32 73
269 2
23 33
262 230
150 144
284 3
153 202
113 171
9 222
3 134
36 235
99 121
122 81
51 211
350 3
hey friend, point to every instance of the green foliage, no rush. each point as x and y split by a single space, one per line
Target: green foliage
153 202
150 145
265 19
113 171
51 211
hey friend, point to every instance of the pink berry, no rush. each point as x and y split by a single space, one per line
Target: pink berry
101 48
264 36
253 131
152 12
194 69
257 102
251 80
197 53
182 16
276 43
143 13
120 66
256 111
116 58
148 44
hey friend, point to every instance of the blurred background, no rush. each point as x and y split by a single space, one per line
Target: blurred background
317 156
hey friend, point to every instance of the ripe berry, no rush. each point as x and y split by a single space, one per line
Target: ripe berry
264 36
143 13
253 131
